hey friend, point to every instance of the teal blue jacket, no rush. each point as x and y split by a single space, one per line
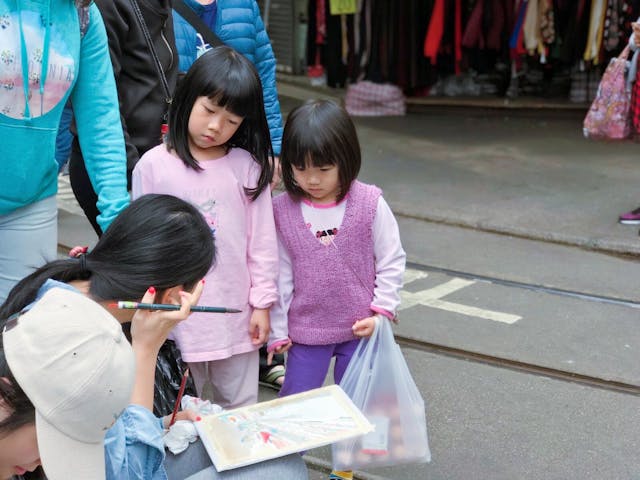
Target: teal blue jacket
44 36
238 25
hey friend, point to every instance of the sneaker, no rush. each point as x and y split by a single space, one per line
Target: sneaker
338 475
631 218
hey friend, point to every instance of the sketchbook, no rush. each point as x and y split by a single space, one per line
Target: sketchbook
276 428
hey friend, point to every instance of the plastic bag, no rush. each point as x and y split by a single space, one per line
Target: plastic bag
169 370
378 381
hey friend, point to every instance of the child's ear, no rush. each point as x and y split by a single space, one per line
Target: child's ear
171 295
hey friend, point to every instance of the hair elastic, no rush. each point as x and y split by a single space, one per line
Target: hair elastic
83 262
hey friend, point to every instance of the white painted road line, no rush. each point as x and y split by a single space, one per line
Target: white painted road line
432 297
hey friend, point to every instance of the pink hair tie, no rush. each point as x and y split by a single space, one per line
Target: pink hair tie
76 251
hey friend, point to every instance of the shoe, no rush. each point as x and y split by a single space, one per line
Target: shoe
631 218
274 378
338 475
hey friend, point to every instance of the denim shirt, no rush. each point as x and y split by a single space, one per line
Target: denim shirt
133 447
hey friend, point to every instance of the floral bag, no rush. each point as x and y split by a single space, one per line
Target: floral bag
609 115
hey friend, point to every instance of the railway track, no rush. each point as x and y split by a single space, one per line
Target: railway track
524 367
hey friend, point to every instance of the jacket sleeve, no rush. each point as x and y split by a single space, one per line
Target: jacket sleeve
117 24
265 62
185 42
133 446
94 98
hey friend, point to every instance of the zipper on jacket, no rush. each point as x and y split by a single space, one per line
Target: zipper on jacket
166 42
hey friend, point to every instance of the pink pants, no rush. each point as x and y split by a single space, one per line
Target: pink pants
234 379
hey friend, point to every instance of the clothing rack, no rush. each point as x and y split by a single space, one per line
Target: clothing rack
415 44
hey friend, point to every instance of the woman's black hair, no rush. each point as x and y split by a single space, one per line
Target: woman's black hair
158 240
13 401
19 408
228 78
319 133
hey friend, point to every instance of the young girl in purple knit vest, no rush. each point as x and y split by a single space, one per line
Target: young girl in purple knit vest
341 260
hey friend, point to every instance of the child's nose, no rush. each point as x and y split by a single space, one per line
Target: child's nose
214 123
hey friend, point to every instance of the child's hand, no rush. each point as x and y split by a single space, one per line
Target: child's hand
364 327
149 329
259 326
281 347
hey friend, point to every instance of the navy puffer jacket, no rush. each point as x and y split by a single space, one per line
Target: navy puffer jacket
238 25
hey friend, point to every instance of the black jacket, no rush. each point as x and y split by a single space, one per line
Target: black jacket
143 102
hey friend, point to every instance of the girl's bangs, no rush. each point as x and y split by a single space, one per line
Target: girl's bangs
239 99
311 149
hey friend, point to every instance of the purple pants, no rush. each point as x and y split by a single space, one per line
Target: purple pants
307 365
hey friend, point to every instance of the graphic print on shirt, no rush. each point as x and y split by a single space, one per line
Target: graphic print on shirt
210 214
60 65
325 237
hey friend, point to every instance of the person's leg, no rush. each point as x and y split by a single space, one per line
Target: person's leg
82 188
234 379
195 464
271 375
28 240
343 352
307 367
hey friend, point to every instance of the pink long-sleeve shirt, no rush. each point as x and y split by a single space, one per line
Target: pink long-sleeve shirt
245 272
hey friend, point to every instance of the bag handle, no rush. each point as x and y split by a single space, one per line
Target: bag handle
196 22
154 54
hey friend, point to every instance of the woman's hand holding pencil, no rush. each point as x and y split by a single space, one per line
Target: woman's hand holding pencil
151 328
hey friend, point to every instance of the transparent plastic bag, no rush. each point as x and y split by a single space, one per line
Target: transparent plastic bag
378 381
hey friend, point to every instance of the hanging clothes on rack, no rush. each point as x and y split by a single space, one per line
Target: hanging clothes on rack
434 32
531 28
594 38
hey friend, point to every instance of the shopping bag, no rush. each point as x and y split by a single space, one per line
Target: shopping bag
378 382
369 99
609 116
169 370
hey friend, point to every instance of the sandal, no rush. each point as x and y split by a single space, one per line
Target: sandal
274 378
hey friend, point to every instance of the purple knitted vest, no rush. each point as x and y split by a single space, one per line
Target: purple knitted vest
333 284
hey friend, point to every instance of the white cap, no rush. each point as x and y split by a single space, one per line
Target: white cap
72 360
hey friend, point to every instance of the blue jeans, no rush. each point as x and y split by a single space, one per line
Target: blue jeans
28 240
195 464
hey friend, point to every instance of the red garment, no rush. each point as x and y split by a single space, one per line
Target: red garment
500 15
473 35
434 32
635 103
321 22
457 38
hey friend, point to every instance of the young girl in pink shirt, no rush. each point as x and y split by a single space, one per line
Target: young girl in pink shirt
218 156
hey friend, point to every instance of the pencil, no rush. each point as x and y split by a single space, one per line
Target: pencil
168 306
176 407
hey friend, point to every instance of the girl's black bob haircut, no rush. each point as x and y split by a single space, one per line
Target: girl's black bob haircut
319 133
230 80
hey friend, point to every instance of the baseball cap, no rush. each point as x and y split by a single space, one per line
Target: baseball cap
70 357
